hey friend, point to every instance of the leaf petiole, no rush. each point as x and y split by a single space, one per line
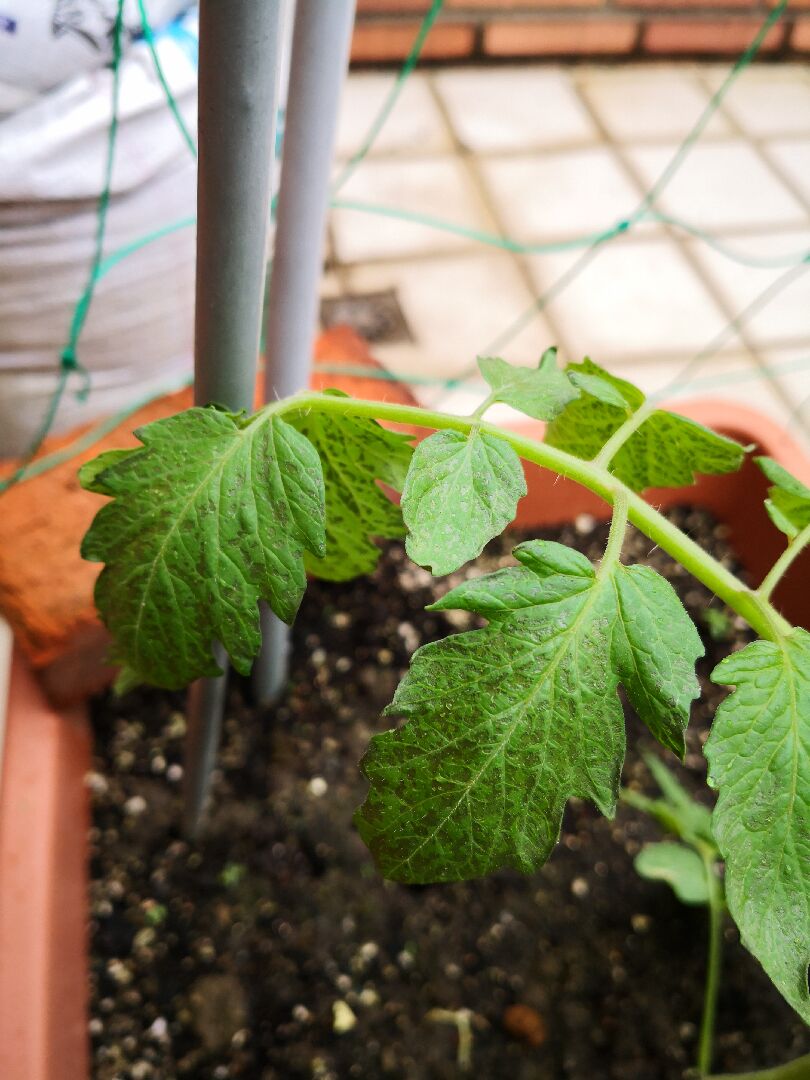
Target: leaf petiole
618 529
622 434
783 563
755 609
487 403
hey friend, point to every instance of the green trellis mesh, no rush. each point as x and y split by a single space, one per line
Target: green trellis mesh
589 246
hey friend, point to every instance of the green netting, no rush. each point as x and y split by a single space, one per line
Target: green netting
589 244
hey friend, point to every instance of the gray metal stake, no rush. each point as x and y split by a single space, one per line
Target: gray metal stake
320 57
239 48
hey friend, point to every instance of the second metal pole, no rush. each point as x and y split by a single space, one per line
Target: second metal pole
239 48
320 56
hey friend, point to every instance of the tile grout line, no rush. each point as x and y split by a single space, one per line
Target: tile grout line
738 233
531 150
680 244
795 409
647 142
757 142
469 161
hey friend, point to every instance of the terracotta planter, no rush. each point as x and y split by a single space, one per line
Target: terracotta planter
43 886
43 805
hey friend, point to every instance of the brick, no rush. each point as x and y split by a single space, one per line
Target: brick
671 5
800 41
561 37
722 37
392 7
494 7
392 41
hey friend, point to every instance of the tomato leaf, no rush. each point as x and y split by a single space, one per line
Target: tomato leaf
677 865
667 450
213 513
691 819
91 473
354 453
788 502
461 490
505 723
759 761
608 389
541 392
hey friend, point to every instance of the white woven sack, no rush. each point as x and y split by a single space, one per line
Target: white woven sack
138 338
43 43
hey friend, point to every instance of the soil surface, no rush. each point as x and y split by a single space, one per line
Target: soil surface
272 950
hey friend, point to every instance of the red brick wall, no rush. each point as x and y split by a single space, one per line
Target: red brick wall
502 29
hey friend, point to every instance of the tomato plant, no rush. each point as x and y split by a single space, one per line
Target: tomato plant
216 511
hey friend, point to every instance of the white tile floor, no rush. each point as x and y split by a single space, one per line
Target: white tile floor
722 185
769 100
414 127
454 324
636 299
558 193
437 186
647 103
544 155
783 321
792 157
524 108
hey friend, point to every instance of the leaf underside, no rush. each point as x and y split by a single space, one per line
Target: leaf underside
679 866
667 450
541 392
505 723
212 514
354 453
91 473
460 492
759 762
788 502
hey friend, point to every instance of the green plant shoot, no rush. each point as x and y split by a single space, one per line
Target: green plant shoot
691 867
215 512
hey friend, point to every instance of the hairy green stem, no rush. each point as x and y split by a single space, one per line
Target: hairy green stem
783 563
485 404
754 608
659 810
792 1070
714 960
622 434
618 530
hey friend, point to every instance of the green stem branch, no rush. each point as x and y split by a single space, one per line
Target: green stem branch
714 960
485 404
783 563
754 608
792 1070
618 529
622 434
657 809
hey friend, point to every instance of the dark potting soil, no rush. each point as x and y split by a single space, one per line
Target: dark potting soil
272 949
